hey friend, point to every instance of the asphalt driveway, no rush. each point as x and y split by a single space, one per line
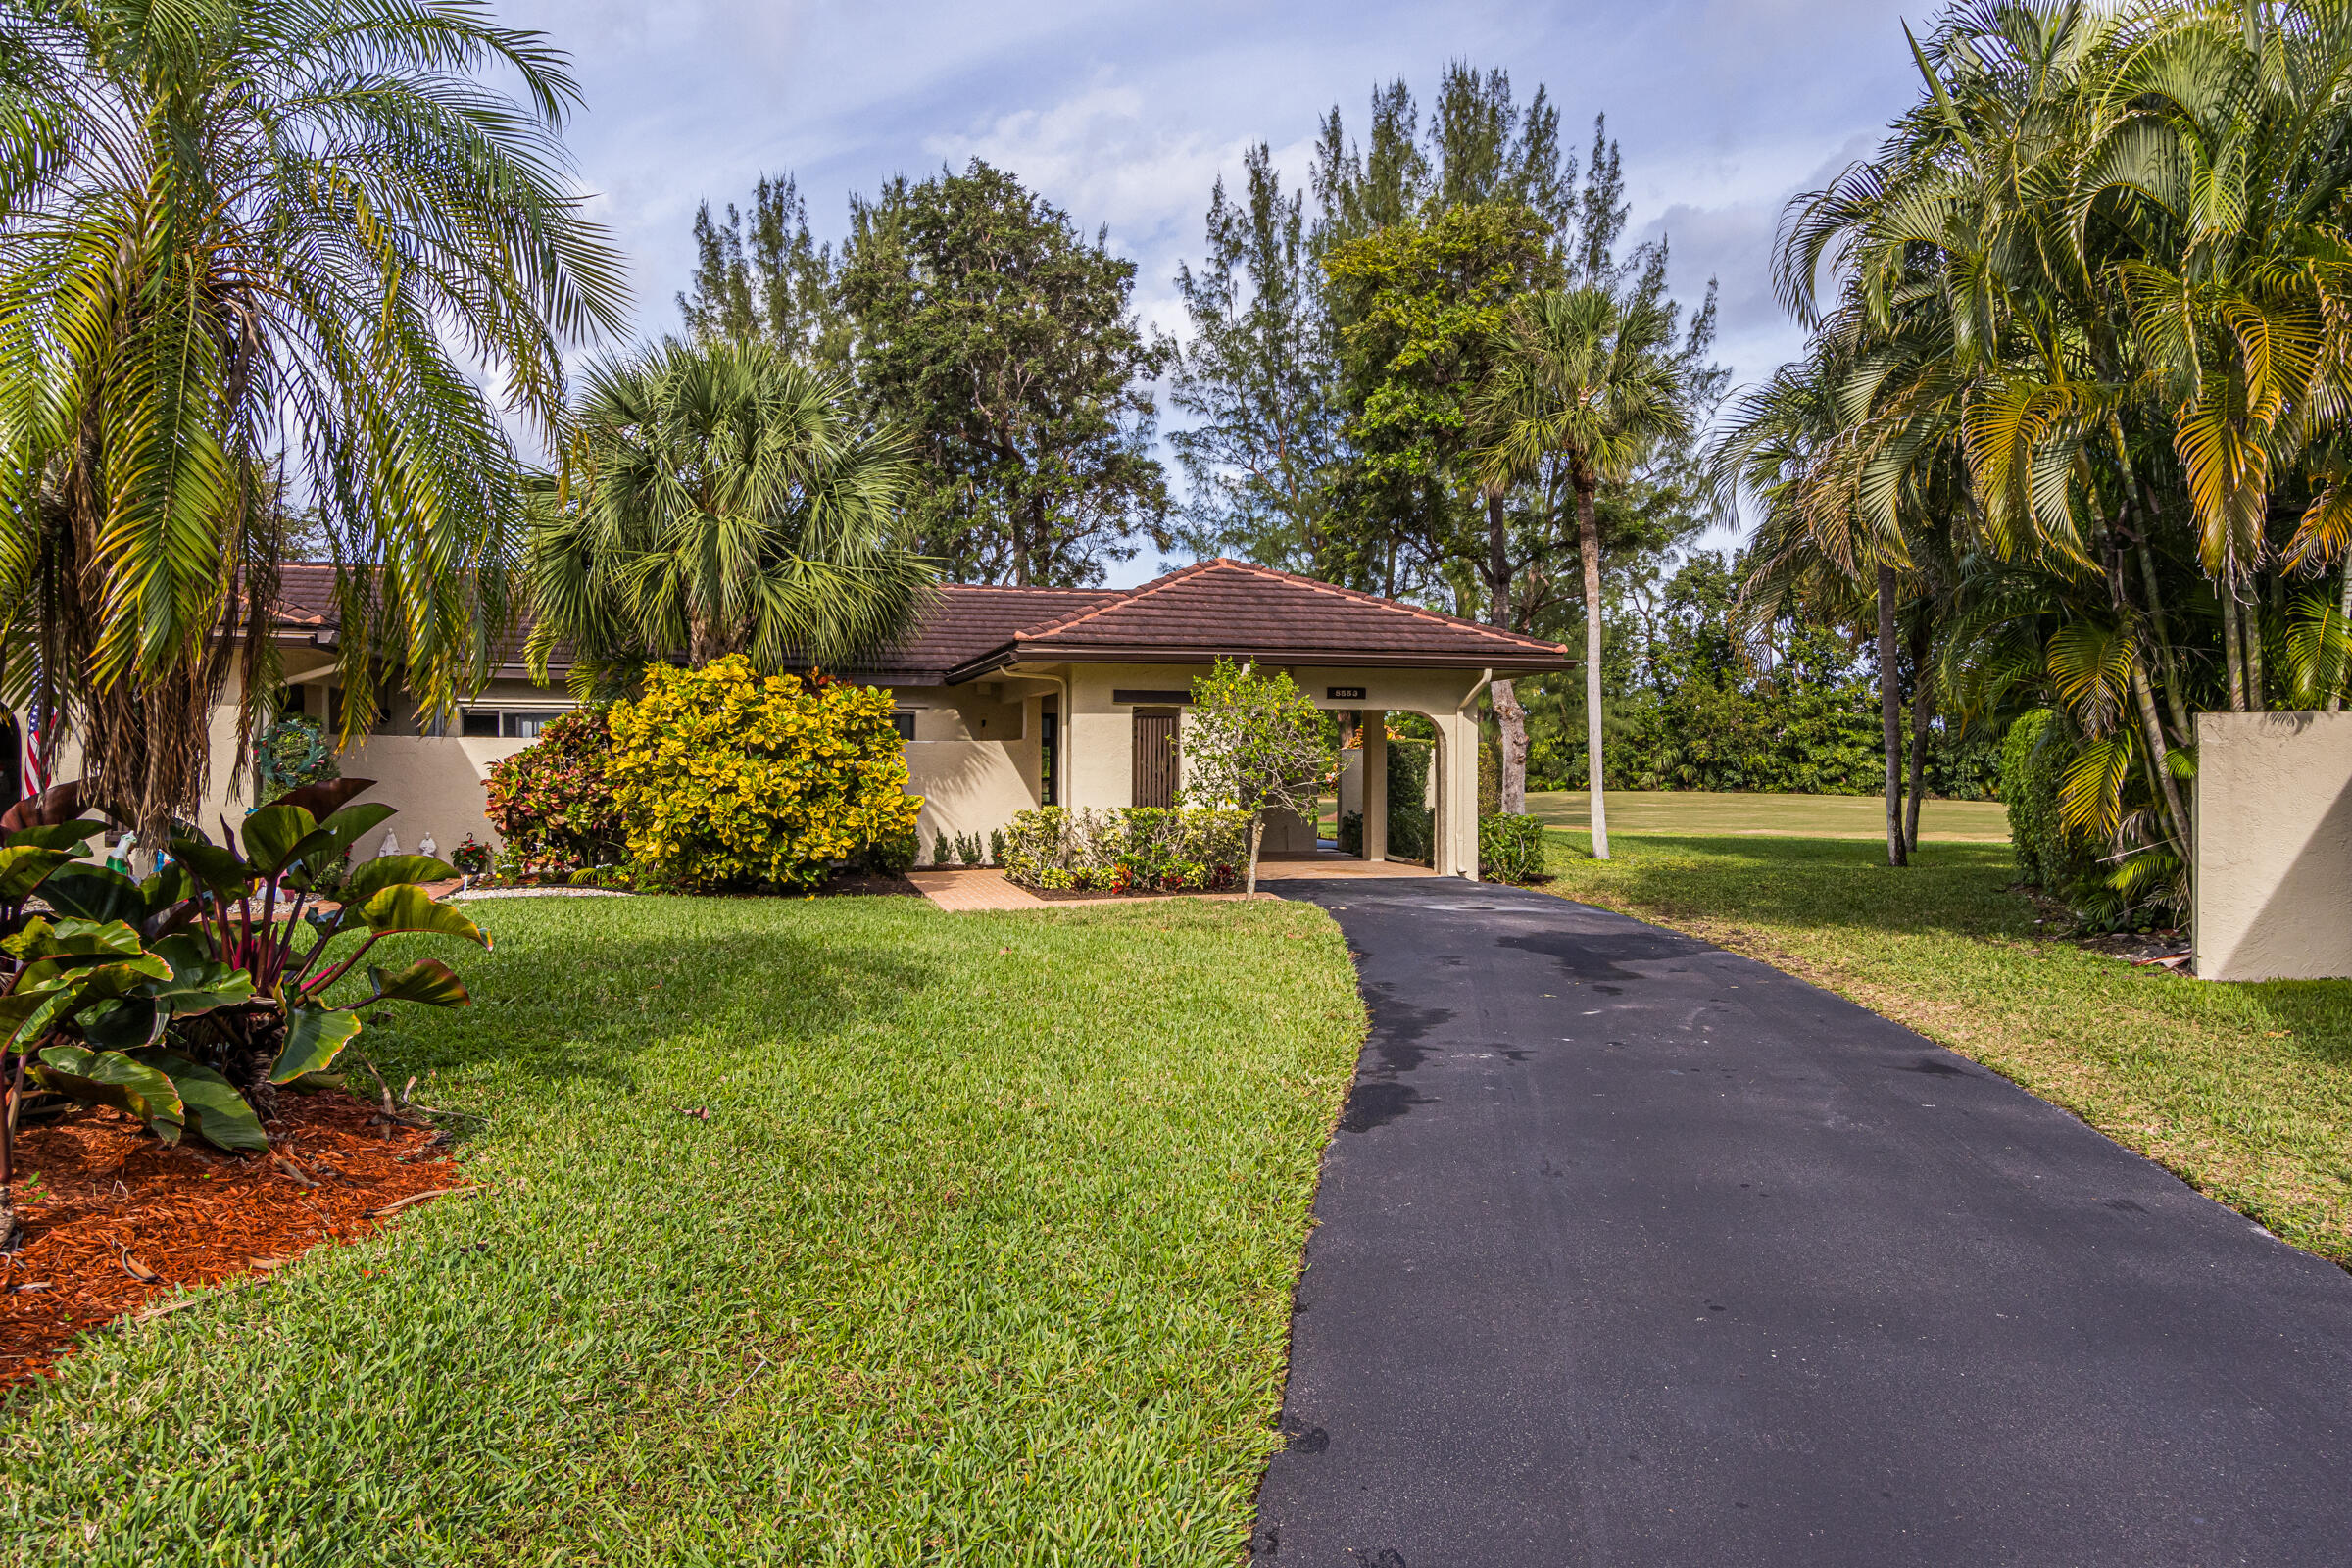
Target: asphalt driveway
1635 1253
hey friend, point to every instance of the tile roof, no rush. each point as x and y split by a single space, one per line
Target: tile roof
1231 606
967 622
1209 607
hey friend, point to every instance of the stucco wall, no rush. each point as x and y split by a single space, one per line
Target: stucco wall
2274 830
973 758
433 781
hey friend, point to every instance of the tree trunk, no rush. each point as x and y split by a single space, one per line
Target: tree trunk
1923 713
1587 538
2152 731
2176 700
1257 829
2335 690
2233 653
2251 620
1510 717
1890 718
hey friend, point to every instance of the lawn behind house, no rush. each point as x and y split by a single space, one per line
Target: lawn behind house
2245 1089
837 1231
1818 816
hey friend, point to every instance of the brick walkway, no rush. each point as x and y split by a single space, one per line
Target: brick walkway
968 888
974 889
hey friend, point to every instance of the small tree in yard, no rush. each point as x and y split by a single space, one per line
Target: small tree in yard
1254 741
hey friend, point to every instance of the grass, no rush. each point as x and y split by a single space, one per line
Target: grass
983 1254
2243 1089
1815 816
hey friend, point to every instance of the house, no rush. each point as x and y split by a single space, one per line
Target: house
1011 697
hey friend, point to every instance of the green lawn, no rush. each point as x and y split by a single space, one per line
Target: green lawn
983 1255
2245 1089
1820 816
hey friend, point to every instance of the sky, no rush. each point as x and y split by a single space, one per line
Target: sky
1126 115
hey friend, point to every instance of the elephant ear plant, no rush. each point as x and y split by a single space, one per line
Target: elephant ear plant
186 1000
39 838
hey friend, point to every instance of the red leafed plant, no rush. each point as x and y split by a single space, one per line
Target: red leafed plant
552 801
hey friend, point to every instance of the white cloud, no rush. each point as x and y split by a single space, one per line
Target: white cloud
1126 115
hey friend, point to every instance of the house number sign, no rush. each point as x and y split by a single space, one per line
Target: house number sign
1344 694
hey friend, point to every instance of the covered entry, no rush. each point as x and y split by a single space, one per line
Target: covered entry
1110 679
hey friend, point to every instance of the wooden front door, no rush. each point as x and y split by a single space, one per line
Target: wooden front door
1156 756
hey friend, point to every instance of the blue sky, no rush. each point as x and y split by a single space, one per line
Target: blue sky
1126 115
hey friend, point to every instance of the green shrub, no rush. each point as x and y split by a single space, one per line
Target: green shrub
727 778
552 801
1133 849
290 753
1351 833
1510 847
186 1000
2034 759
894 857
1413 825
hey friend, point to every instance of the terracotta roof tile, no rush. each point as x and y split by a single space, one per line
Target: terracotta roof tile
967 622
1212 607
1231 607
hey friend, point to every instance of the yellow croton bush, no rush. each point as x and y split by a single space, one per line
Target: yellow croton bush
729 779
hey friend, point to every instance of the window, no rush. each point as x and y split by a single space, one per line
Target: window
1048 750
479 722
904 724
526 726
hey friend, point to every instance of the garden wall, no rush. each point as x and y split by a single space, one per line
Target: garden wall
2274 829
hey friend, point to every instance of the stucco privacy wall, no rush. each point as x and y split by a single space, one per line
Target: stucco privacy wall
973 758
2273 831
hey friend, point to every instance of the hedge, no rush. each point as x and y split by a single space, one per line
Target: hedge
1129 848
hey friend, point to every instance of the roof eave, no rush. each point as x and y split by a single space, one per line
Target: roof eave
1506 664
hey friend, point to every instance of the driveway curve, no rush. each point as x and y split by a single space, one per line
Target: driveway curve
1634 1253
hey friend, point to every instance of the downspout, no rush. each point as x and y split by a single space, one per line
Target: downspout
1061 741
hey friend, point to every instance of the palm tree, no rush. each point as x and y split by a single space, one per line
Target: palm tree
721 498
1806 449
1591 376
256 253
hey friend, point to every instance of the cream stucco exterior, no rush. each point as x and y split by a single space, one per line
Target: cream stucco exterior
975 755
2274 834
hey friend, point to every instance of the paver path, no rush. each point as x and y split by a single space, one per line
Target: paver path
1635 1253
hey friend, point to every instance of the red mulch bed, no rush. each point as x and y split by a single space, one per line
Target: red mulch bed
94 1189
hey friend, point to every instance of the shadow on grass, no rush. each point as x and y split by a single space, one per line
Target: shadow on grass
1949 889
585 1000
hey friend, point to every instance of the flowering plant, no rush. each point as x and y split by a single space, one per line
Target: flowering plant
472 858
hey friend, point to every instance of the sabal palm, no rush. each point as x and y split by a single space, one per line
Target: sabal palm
253 254
1591 377
719 498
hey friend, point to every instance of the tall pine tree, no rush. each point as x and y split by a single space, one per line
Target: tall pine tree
774 285
1259 379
